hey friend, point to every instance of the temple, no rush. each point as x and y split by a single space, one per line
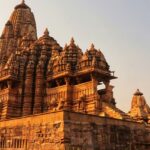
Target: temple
52 98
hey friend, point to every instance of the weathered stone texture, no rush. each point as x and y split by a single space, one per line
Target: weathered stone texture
65 130
51 96
140 110
44 132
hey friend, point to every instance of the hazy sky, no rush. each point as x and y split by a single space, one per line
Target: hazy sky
120 28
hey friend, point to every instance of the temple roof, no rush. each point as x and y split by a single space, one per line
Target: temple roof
19 26
23 21
138 93
46 39
20 34
22 5
139 107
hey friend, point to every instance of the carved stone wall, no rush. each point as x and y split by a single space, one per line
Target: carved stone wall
43 83
95 133
43 132
73 131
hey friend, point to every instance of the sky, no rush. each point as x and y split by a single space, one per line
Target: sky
120 28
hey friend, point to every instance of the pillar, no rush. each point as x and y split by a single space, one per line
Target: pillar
39 91
27 105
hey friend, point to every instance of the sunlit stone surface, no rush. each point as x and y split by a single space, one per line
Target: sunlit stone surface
50 97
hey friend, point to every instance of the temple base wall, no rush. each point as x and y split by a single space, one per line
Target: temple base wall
72 131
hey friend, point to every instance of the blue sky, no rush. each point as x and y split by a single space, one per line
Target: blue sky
120 28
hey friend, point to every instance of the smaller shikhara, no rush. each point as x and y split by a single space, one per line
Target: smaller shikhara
51 98
37 75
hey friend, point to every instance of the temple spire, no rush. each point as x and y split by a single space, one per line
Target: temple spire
92 47
46 32
72 41
23 1
138 93
140 110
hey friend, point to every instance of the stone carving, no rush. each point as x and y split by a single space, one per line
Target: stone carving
82 104
40 62
139 108
32 137
52 104
61 104
38 77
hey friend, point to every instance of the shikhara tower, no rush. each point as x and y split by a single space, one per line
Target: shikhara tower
41 80
38 75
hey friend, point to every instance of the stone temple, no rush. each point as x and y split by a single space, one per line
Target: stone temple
50 96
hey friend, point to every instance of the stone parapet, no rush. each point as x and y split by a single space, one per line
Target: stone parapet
65 130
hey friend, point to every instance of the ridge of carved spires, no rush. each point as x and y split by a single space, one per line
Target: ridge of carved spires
72 55
90 53
37 57
72 47
49 42
93 49
45 38
72 43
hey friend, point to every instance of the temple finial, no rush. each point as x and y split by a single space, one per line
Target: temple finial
72 41
92 47
23 1
46 32
138 92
